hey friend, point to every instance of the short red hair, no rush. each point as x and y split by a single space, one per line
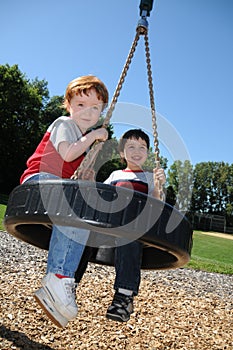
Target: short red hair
82 85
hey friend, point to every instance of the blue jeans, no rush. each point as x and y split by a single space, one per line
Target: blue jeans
65 252
66 244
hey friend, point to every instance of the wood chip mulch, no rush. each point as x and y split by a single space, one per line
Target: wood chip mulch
175 309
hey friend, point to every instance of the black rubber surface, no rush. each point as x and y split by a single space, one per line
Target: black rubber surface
107 211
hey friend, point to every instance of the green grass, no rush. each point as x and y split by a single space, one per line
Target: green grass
209 253
212 254
2 212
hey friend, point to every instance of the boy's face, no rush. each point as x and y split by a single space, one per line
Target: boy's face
135 153
85 110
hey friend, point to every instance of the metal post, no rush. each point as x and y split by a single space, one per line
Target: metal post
146 7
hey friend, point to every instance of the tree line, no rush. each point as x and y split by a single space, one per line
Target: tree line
26 110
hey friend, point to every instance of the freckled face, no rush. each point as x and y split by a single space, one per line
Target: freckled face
135 153
85 109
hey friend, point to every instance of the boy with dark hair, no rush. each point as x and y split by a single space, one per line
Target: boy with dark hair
133 148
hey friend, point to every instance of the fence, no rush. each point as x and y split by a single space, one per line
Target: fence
209 222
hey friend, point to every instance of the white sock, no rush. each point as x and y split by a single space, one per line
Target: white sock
125 291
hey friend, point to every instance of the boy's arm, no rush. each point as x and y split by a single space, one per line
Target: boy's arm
70 152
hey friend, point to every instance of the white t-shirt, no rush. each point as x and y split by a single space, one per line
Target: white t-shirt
141 181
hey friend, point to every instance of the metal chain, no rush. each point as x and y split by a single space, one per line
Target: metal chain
89 161
153 113
152 101
121 80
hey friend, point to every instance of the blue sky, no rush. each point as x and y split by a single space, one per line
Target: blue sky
192 62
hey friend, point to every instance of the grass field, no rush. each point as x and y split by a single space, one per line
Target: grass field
212 254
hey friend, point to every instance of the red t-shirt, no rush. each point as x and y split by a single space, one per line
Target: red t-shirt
46 157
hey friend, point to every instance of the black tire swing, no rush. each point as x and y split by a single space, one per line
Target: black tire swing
108 212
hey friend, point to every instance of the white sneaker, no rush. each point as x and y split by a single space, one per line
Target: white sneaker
57 298
48 306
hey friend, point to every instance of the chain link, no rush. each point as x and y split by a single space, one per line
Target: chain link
89 161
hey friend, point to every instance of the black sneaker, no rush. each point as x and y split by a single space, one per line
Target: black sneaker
121 308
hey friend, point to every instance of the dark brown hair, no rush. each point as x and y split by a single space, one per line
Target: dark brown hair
133 134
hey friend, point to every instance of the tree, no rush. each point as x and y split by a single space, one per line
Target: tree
229 186
180 184
150 163
212 188
201 188
22 121
52 110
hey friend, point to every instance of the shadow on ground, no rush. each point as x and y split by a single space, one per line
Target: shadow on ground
20 340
